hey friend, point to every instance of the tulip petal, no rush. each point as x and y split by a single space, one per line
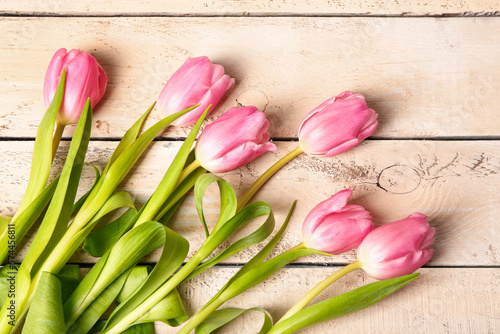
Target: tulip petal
397 248
196 82
234 139
337 125
333 204
85 79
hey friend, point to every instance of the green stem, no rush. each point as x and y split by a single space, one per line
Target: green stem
264 177
57 138
201 315
157 296
220 299
158 198
299 246
188 170
308 297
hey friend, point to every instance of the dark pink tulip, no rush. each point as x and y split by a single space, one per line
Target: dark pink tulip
197 81
233 140
85 79
335 227
398 248
337 125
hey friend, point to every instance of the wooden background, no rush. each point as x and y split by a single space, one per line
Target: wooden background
431 69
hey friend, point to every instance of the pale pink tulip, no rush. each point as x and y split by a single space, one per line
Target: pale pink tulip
335 227
233 140
85 79
337 125
197 81
398 248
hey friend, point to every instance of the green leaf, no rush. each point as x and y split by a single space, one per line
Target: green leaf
344 304
178 194
158 285
264 253
70 277
224 230
71 271
42 152
116 171
127 252
45 315
119 199
222 317
134 280
259 258
97 307
82 199
7 278
254 238
58 213
138 275
68 286
167 216
147 328
173 254
129 137
171 178
26 219
169 310
228 199
254 269
259 273
4 221
100 241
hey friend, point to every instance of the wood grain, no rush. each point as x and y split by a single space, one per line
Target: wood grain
454 183
426 77
249 7
442 300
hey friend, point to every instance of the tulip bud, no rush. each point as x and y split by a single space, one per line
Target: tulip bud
398 248
337 125
233 140
85 79
197 81
334 227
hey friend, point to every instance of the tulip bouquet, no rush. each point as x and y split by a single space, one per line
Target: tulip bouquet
50 296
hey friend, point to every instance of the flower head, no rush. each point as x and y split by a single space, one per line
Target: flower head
197 81
335 227
233 140
337 125
398 248
85 79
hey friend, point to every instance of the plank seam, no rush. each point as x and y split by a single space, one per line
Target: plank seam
249 14
293 139
318 265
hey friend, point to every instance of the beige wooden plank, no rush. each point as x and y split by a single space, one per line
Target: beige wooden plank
426 77
249 7
442 300
455 183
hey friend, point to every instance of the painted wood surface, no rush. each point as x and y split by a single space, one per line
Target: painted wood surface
426 77
249 7
454 183
441 301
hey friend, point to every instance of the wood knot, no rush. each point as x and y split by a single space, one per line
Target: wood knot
253 97
399 179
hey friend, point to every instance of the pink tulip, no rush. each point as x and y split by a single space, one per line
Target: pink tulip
84 78
337 125
335 227
197 81
233 140
397 248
